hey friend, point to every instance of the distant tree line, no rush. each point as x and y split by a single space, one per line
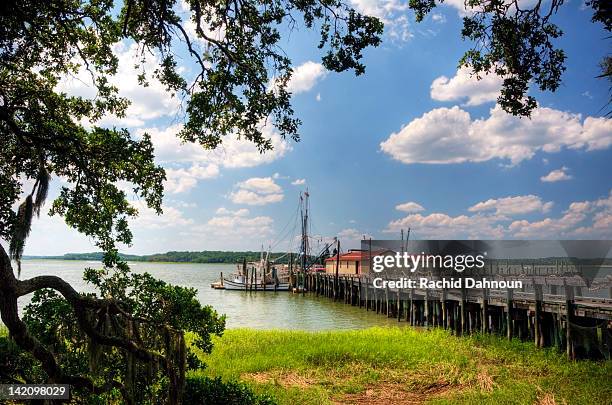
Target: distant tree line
219 256
206 256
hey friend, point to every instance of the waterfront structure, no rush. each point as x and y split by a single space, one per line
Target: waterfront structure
353 262
549 309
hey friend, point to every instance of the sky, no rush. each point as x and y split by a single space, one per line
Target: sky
413 143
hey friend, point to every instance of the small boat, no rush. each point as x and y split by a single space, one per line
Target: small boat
258 276
238 284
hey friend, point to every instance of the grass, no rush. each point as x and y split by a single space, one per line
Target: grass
404 366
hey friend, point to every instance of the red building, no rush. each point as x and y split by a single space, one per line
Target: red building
353 262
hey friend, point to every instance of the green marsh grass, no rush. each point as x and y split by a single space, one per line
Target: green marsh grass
401 366
404 365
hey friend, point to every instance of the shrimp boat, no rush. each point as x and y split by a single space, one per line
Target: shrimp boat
258 276
270 274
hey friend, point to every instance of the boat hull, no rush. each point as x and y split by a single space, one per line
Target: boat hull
232 285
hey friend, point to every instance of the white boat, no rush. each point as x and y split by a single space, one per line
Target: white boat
238 284
275 278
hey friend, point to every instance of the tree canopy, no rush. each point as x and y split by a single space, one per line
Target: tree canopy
42 42
516 41
240 82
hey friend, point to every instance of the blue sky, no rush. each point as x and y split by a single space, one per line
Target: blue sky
414 142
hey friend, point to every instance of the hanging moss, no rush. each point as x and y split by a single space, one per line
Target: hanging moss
94 352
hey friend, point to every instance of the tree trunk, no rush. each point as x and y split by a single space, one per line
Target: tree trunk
9 292
10 289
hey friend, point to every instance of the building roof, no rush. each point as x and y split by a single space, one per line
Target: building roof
354 255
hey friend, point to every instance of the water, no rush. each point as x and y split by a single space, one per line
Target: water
269 310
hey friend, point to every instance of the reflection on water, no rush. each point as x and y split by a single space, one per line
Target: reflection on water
259 310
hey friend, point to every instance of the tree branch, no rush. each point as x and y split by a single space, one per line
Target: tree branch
80 304
18 330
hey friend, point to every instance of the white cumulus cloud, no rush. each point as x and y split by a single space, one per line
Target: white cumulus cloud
352 237
184 179
393 13
228 224
305 77
148 219
257 191
187 163
522 204
262 185
574 215
439 18
491 219
463 10
450 135
409 207
440 226
232 153
556 175
466 86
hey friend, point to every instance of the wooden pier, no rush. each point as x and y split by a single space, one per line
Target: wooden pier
550 312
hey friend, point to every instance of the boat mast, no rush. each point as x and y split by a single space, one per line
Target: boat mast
262 263
304 213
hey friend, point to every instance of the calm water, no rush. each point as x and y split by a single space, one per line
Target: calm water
243 309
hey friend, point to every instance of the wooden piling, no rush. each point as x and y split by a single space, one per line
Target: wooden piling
408 306
569 315
367 290
509 305
387 301
444 310
337 269
426 309
245 274
462 314
399 306
412 309
485 313
537 316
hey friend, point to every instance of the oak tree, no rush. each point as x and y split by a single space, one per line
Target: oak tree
134 323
